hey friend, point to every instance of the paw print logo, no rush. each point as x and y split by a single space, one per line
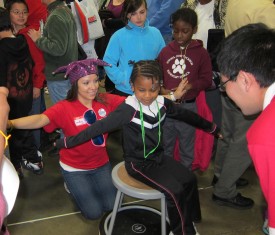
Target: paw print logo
178 66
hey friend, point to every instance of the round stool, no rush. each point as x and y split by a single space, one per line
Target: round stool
126 185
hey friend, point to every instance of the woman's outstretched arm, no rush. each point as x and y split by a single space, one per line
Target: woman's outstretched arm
29 122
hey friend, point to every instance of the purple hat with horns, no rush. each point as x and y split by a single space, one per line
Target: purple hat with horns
81 68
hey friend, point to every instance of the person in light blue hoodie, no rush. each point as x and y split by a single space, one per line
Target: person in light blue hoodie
159 12
134 42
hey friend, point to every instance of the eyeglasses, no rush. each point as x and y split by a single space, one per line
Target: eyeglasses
222 85
90 118
16 12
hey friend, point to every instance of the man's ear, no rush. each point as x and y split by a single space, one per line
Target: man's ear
247 80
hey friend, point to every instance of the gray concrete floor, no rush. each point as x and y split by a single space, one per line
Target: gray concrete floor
44 207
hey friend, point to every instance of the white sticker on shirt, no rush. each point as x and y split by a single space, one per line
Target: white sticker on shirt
79 121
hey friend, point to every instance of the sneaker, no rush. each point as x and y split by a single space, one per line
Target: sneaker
46 91
195 229
171 233
36 168
237 202
240 183
265 227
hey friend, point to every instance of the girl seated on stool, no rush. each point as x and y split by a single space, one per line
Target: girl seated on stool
141 117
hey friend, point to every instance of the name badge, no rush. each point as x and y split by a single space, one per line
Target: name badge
79 121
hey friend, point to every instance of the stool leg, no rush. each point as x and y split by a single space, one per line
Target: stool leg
121 199
163 216
118 200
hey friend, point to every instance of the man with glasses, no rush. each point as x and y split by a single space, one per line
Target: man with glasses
249 54
232 157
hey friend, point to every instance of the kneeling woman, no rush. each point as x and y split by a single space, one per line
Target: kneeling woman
85 168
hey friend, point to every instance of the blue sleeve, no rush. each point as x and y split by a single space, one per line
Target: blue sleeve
112 56
162 16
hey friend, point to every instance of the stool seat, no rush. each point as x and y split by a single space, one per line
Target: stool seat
126 184
132 187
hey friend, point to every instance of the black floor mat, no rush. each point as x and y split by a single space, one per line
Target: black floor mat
134 221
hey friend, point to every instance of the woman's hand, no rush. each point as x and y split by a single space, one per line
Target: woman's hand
181 89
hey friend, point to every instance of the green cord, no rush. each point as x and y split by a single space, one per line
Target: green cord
143 131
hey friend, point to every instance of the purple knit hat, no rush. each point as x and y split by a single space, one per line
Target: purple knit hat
81 68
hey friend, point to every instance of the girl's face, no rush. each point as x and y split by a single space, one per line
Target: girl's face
87 88
19 15
138 17
183 32
146 89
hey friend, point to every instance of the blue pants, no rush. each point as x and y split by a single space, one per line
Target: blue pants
58 89
92 190
37 108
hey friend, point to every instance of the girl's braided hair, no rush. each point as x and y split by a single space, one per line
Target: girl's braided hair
146 68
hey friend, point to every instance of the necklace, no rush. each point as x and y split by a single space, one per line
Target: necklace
184 57
143 131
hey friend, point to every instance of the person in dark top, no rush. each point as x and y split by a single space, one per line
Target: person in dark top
16 68
141 117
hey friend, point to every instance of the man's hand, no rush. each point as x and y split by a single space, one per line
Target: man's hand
36 93
34 34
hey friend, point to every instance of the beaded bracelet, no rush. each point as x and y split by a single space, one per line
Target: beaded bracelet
6 138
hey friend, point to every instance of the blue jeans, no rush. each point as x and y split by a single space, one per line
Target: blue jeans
93 190
37 106
58 90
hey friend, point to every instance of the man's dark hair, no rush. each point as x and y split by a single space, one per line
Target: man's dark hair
251 48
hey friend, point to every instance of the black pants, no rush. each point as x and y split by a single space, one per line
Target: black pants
21 144
179 186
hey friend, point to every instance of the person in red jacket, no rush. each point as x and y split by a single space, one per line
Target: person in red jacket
247 64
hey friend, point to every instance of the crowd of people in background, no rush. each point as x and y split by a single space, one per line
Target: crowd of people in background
168 63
